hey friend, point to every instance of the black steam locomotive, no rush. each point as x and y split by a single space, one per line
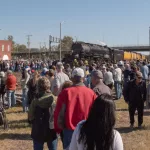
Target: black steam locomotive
87 50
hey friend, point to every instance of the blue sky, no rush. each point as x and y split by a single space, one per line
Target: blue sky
115 22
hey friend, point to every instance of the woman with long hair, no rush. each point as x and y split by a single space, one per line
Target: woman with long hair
32 85
97 132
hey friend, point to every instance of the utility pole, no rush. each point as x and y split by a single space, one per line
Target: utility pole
149 43
60 44
60 38
50 47
40 49
28 43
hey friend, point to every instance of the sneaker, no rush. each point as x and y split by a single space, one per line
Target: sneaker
140 126
132 126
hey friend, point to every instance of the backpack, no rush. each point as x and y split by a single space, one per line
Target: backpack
41 131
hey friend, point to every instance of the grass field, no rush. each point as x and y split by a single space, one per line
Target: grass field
18 135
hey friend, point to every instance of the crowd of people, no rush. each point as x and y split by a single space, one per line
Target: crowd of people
75 101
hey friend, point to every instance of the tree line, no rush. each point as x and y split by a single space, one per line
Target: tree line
66 44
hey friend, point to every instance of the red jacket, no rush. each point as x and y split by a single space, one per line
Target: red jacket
73 105
11 82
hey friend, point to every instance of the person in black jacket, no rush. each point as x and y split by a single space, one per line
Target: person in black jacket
126 74
2 86
135 96
32 86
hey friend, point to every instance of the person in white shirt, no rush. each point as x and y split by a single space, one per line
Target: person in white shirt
108 78
97 132
59 79
117 81
104 70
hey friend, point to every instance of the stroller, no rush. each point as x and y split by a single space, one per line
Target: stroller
3 119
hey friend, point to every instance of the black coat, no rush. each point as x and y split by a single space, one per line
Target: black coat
41 131
135 94
127 73
132 75
2 85
32 91
41 115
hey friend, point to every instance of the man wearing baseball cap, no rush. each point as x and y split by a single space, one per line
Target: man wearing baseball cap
135 95
73 105
97 81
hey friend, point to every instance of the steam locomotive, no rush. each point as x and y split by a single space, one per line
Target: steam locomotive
88 50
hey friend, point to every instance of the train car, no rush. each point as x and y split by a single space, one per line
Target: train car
138 56
88 50
133 56
143 57
127 56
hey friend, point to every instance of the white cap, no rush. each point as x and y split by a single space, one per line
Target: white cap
78 72
120 63
104 67
27 69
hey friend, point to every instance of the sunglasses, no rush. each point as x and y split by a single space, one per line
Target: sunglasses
139 77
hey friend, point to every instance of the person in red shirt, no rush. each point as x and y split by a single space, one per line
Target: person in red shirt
73 105
11 83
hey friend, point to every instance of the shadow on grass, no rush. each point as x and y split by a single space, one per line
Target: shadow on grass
18 121
121 109
14 112
147 113
18 124
15 136
128 129
124 129
16 106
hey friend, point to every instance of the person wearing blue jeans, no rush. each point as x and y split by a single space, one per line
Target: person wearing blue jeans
25 99
11 83
118 89
67 135
11 98
52 145
24 82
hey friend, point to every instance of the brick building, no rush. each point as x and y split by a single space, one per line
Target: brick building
5 49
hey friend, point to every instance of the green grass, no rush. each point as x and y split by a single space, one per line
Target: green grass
120 104
17 137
